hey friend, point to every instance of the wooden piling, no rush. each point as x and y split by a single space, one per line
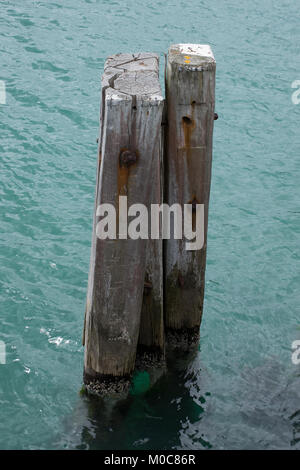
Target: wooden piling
190 100
128 165
151 342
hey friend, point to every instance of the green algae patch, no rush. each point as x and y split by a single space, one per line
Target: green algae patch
140 383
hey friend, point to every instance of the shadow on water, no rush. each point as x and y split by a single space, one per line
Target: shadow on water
148 418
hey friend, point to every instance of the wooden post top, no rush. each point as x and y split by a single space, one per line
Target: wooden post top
195 56
133 74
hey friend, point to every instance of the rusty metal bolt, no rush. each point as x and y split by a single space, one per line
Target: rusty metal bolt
216 116
127 158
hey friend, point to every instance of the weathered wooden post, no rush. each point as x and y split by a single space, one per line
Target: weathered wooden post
152 335
128 165
190 99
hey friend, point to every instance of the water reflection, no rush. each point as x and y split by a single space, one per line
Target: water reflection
149 418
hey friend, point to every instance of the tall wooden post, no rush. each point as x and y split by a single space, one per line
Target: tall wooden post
152 336
128 165
190 96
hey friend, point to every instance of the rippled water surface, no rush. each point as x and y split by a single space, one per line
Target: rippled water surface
241 389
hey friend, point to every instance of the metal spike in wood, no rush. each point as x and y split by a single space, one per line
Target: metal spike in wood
128 165
190 97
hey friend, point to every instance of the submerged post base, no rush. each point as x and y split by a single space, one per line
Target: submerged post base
183 338
106 385
149 357
149 360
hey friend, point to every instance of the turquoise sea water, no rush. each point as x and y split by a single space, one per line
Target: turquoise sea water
241 390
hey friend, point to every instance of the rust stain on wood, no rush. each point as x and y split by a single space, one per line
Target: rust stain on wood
189 124
127 158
